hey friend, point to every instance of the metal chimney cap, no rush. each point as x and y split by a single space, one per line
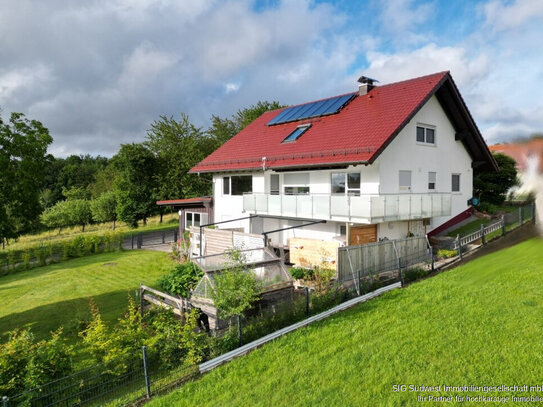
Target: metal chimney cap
367 80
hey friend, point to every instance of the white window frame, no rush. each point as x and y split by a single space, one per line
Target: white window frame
348 190
278 190
425 127
405 188
459 182
203 218
297 185
430 181
229 177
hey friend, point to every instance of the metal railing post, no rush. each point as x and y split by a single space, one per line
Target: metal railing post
359 283
146 372
200 241
140 240
5 401
163 237
132 239
503 225
239 331
432 258
533 212
520 216
141 299
400 274
459 246
483 234
307 300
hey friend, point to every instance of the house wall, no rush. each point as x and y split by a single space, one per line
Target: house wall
445 157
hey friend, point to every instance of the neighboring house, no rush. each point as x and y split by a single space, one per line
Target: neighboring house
192 211
525 153
384 162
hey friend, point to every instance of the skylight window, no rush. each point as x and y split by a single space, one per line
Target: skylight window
295 135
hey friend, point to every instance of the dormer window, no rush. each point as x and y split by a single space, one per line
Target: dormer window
426 134
295 135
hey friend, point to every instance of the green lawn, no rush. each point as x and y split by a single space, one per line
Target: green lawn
480 324
58 295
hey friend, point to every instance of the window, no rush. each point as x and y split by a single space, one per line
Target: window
432 181
274 184
455 183
226 185
295 135
237 185
350 180
195 219
405 180
296 183
426 135
343 230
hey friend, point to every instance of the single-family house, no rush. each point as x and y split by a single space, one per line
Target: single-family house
382 162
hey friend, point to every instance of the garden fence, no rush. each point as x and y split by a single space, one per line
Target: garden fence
146 239
381 262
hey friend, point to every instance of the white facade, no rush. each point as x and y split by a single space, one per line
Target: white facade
410 179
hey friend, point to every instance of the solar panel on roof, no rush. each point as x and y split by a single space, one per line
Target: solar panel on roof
312 109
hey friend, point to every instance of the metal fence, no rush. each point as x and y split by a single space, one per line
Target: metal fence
368 265
509 221
125 380
143 239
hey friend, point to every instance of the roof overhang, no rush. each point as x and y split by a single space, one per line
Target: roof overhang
204 201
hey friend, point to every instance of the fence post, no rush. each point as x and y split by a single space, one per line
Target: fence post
307 300
140 240
359 285
483 234
5 401
132 239
239 331
503 225
459 246
141 300
146 372
432 258
533 212
400 274
163 237
175 236
520 216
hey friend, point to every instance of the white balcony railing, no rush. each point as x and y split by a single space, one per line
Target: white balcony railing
362 209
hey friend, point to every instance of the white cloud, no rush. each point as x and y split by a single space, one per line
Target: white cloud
501 15
403 18
17 80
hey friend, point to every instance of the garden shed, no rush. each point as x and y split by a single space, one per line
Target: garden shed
277 284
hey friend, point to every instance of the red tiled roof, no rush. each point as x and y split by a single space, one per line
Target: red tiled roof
358 133
520 152
187 201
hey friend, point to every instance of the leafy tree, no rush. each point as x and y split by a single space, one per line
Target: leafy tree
79 212
222 130
135 184
104 180
23 147
104 208
178 146
56 216
491 187
236 289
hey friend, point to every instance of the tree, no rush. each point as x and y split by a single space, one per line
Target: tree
79 212
222 130
491 187
104 180
178 146
135 184
56 216
23 148
104 208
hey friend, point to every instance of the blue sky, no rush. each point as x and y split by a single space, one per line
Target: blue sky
98 73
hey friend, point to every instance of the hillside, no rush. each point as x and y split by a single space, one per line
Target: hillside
480 324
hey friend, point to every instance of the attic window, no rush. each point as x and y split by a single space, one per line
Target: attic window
295 135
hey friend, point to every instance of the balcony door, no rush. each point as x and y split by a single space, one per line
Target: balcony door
362 235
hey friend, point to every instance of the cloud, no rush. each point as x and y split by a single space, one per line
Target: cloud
502 15
402 18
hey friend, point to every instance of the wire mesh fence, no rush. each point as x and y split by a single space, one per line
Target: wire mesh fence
143 239
124 380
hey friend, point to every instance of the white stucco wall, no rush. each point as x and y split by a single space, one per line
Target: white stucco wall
445 157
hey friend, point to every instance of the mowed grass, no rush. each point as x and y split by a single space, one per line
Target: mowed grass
58 295
480 324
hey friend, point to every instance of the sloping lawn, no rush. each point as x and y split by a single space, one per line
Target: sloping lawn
58 295
480 324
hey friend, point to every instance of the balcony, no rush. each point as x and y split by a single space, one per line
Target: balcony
345 208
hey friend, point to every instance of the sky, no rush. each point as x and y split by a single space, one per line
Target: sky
97 73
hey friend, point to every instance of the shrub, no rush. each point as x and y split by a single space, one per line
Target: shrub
321 301
298 273
414 274
446 254
181 279
488 208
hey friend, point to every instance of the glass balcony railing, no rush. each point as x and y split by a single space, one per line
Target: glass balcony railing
364 208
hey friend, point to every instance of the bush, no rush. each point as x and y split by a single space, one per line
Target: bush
446 254
181 279
414 274
298 273
488 208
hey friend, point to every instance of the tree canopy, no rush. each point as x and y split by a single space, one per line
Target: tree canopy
491 187
23 149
